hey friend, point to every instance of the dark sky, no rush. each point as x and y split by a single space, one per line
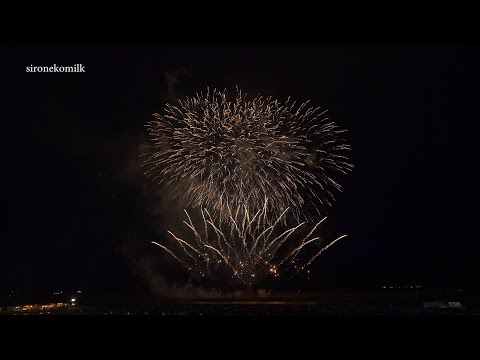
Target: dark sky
77 212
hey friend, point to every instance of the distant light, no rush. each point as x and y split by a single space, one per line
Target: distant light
73 300
79 291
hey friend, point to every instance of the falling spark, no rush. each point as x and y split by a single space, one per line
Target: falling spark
168 251
258 253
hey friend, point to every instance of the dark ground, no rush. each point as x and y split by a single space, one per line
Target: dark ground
344 302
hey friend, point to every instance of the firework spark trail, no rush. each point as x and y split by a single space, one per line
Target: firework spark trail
170 252
231 155
322 250
304 242
242 262
182 243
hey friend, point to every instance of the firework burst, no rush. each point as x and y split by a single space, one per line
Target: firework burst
244 249
231 155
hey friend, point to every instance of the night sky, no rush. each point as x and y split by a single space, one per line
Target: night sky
79 214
